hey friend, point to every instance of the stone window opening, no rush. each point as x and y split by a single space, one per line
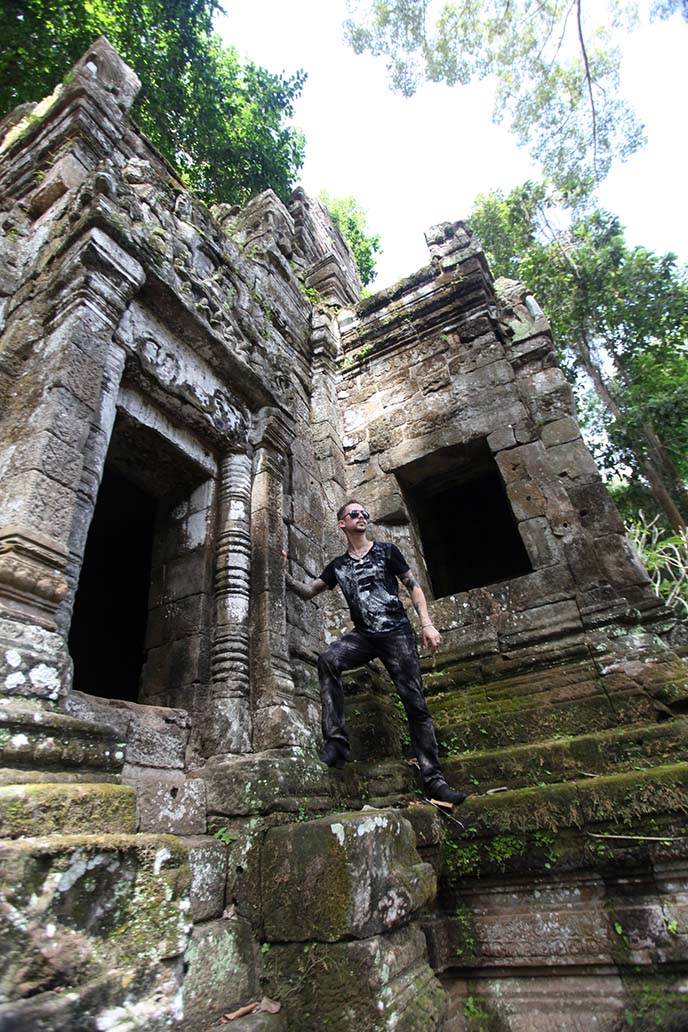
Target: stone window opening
460 509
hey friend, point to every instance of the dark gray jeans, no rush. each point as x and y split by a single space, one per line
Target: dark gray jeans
399 654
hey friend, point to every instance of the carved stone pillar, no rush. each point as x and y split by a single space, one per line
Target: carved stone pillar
276 722
225 725
43 440
95 451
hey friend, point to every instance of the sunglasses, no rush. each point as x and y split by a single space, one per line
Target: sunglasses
355 513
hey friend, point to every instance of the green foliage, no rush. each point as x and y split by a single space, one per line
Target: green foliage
665 558
555 64
223 834
221 122
619 319
350 219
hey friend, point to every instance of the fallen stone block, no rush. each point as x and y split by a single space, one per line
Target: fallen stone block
360 872
221 972
374 984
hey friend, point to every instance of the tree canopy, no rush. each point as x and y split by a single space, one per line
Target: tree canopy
350 218
620 322
555 64
221 122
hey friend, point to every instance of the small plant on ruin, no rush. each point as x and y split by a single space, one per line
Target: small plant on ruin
223 834
666 560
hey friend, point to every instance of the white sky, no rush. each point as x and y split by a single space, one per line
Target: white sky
413 162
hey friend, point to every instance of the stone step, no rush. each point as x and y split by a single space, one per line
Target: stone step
361 985
584 884
66 809
618 750
362 869
154 736
78 907
44 745
519 722
147 1002
452 679
260 783
664 678
556 827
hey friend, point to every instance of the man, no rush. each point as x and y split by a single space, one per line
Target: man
367 573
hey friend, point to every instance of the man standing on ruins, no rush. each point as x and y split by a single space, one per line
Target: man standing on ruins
367 573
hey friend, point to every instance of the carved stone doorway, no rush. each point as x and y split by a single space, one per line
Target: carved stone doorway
140 625
107 633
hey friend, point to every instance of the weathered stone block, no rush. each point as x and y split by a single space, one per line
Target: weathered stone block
375 984
549 395
527 500
67 809
78 906
543 548
560 432
363 873
243 785
208 863
155 736
167 802
531 625
223 725
619 562
222 972
374 727
573 461
45 740
501 439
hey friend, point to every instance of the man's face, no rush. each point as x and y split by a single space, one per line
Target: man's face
355 517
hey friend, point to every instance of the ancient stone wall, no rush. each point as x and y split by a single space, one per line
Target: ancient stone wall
448 382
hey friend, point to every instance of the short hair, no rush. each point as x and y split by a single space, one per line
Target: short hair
340 510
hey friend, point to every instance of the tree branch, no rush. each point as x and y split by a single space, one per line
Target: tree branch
588 79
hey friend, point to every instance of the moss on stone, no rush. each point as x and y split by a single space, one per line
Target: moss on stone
654 1004
68 808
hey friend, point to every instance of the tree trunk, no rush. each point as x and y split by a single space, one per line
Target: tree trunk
654 472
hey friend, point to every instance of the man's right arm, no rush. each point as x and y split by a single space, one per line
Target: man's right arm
306 590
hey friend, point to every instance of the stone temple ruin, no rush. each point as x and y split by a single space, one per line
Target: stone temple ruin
185 392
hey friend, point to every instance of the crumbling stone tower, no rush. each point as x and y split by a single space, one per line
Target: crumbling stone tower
184 392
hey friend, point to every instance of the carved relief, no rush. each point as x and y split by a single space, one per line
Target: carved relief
182 375
32 583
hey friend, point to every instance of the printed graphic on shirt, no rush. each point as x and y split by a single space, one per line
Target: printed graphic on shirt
370 587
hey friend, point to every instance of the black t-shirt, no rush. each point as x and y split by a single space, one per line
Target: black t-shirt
370 588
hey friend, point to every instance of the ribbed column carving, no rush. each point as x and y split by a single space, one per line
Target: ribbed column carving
230 653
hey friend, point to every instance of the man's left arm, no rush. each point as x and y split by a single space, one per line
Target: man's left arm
431 636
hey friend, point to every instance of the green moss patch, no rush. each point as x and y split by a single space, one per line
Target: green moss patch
568 759
621 820
47 809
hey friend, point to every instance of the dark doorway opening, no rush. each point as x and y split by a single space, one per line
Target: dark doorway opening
106 639
469 536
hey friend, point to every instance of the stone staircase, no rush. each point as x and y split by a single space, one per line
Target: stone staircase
567 883
123 914
569 879
95 915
